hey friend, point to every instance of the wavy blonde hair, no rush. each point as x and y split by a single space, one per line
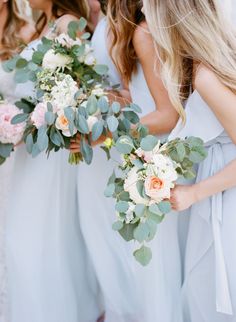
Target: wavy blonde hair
188 32
12 41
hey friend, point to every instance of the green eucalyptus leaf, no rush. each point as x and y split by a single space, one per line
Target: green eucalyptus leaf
5 150
82 24
149 143
92 105
143 255
50 118
109 191
127 232
118 225
181 151
87 151
22 75
82 125
112 123
29 143
19 118
21 63
155 210
115 107
165 207
103 104
124 196
141 232
124 144
97 130
140 210
122 206
132 117
136 108
37 57
101 69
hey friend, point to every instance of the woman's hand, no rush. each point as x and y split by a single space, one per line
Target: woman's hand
75 144
182 197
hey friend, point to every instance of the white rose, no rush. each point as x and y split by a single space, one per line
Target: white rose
52 61
165 167
130 186
91 121
62 124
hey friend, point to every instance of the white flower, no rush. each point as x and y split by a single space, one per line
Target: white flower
62 124
88 57
165 167
52 60
63 94
161 176
91 121
130 186
65 40
98 91
130 213
77 42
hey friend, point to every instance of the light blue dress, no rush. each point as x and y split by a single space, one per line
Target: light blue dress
159 282
111 255
209 291
50 275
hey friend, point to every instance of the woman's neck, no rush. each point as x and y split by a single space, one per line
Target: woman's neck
48 12
3 20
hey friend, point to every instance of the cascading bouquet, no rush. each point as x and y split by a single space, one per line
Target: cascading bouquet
70 97
143 185
10 134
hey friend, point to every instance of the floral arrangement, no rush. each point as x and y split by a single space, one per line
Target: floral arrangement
143 185
70 97
10 135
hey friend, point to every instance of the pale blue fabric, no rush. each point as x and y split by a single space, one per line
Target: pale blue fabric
49 272
209 291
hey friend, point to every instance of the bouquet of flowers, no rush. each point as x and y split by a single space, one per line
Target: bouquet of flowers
10 134
142 188
70 97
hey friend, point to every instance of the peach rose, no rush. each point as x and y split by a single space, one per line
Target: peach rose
157 189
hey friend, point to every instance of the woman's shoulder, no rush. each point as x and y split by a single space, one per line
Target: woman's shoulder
63 22
142 39
204 78
27 32
142 35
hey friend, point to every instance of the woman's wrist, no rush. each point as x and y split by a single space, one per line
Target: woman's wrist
198 192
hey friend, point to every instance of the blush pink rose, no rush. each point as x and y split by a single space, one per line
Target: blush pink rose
38 115
10 133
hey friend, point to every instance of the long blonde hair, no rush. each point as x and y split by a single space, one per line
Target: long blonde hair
12 41
187 31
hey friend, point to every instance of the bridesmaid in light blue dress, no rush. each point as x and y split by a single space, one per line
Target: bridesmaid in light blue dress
159 282
50 275
209 291
146 294
111 256
21 32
